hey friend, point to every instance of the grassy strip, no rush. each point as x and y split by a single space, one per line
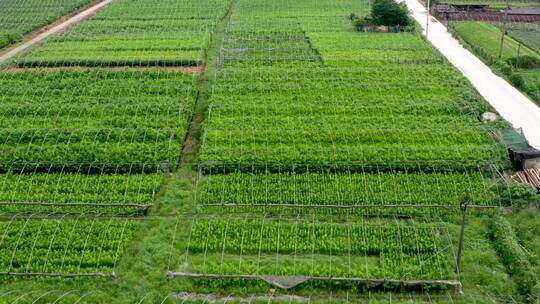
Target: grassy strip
513 256
141 274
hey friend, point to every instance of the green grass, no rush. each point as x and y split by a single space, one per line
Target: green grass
527 228
527 34
487 37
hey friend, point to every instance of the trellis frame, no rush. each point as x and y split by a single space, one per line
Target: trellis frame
280 281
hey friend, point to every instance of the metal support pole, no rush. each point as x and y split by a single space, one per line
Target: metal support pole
461 237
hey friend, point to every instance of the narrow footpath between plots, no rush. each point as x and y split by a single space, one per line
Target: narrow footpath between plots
54 30
511 104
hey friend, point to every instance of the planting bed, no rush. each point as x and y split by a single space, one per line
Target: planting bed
352 248
63 246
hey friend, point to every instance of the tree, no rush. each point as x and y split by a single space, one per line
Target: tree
390 13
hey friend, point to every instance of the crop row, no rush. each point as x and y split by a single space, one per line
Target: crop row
369 157
63 246
303 236
79 188
393 265
89 146
341 76
349 189
527 34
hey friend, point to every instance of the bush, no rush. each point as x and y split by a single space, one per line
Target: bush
7 39
525 62
360 23
390 13
517 80
518 194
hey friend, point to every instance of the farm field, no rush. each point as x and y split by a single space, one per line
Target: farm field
18 17
115 127
484 39
526 34
134 33
251 151
63 246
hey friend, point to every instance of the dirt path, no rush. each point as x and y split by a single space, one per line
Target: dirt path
511 104
10 53
192 141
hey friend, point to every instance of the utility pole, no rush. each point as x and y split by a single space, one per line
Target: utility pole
427 17
503 29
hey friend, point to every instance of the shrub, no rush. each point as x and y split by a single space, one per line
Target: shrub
525 62
517 80
7 39
518 194
360 23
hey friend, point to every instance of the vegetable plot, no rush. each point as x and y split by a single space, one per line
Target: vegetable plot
74 139
278 110
129 118
363 248
86 191
63 246
134 33
324 188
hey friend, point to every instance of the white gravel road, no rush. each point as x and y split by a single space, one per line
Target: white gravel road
511 104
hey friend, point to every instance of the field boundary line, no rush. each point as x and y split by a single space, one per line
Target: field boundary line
54 30
132 205
60 275
359 206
